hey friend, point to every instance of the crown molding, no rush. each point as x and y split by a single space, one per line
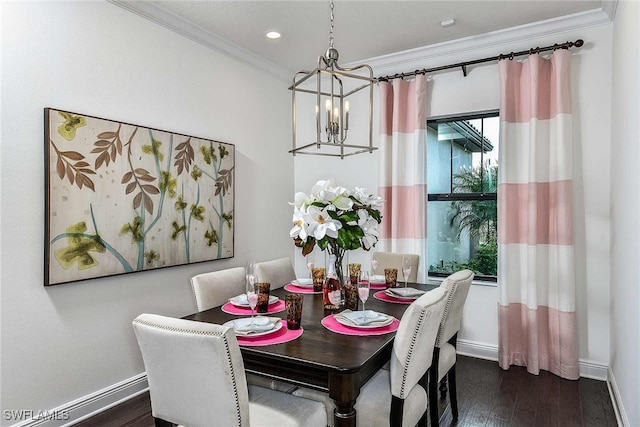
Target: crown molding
609 7
156 13
437 54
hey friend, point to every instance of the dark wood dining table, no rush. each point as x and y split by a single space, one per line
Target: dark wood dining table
321 359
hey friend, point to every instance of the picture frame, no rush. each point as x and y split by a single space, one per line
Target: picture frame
123 198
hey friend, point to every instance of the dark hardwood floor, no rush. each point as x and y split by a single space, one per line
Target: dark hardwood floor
487 396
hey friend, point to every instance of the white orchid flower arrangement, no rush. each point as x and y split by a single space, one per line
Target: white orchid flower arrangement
335 218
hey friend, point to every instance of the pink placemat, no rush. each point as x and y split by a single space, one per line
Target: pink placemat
377 286
382 296
234 309
283 335
298 290
333 325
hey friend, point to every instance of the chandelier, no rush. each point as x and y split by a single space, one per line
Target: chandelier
331 87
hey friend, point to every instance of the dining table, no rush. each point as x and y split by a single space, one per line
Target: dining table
320 359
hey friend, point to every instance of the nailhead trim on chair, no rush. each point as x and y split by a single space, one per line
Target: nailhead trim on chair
411 347
235 386
226 345
181 330
447 307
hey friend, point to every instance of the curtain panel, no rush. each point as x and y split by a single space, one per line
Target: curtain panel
403 127
536 283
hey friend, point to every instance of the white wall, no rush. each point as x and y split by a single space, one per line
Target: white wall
452 93
64 342
625 205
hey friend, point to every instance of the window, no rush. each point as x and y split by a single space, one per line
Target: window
462 181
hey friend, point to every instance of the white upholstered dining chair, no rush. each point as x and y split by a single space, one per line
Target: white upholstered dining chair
278 272
397 394
394 260
196 378
215 288
397 397
444 353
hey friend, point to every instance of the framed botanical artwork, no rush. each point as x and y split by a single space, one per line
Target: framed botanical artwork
123 198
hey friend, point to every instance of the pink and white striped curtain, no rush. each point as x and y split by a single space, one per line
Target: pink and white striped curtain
537 303
403 127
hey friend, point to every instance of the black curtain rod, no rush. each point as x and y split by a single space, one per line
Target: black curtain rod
463 65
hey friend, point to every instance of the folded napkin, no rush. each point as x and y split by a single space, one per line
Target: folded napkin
404 292
241 299
260 324
357 318
304 281
377 278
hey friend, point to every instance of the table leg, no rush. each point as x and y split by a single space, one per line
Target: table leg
344 415
344 390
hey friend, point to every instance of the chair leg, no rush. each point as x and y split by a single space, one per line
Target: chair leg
433 388
453 396
424 382
443 388
162 423
395 417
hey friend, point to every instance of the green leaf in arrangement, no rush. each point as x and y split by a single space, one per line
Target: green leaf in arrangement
336 218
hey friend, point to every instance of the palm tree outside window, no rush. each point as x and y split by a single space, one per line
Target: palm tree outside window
462 182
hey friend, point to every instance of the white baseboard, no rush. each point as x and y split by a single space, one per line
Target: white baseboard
89 405
618 407
92 404
588 368
477 349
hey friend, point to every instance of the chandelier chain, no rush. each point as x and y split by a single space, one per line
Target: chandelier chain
331 27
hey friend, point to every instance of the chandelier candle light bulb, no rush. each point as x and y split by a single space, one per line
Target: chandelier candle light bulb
346 115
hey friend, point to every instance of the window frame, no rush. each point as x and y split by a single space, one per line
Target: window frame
452 197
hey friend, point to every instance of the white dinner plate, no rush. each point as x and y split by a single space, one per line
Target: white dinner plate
241 300
258 333
303 283
346 322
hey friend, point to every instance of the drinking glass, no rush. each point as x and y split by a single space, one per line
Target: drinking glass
250 271
293 303
363 291
310 263
354 273
374 263
262 289
252 296
406 269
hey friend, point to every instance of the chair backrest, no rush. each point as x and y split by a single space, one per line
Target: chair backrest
195 371
414 341
278 272
394 260
457 285
215 288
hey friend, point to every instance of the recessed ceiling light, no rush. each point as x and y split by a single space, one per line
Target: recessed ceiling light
447 22
273 35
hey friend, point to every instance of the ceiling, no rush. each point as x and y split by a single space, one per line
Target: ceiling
362 29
